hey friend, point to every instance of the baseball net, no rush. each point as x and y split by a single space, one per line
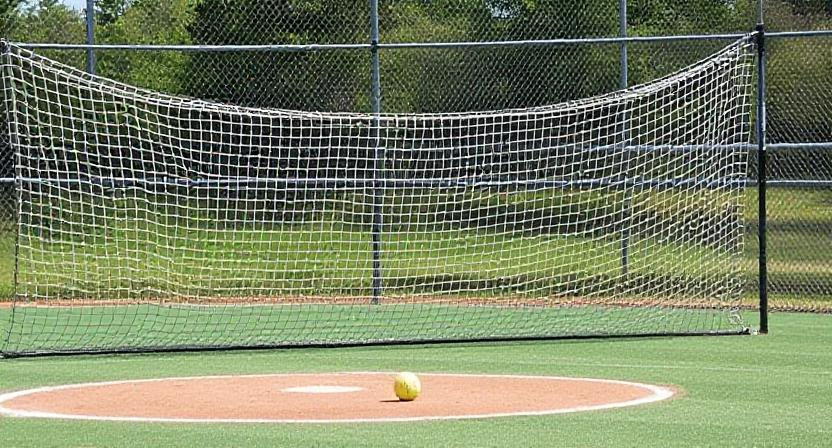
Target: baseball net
149 221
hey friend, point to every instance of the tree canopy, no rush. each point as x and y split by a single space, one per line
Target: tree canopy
419 80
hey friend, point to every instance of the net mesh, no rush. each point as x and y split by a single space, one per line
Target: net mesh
148 221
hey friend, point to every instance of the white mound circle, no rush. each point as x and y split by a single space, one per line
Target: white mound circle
323 389
378 380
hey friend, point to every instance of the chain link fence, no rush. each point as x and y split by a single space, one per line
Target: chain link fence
474 77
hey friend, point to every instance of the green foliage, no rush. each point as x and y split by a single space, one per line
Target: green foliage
792 15
666 17
649 61
108 11
450 80
799 99
799 79
8 7
48 21
810 7
8 15
147 22
255 22
416 80
304 80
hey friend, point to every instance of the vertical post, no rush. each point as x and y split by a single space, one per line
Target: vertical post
622 31
760 8
623 83
378 168
761 171
90 36
10 106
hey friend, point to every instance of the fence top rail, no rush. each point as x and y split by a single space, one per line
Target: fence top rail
367 46
413 45
566 42
798 34
194 48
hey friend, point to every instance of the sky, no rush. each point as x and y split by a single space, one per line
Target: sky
77 4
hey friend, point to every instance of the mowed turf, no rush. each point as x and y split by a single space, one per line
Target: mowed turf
738 391
139 257
331 259
134 244
148 327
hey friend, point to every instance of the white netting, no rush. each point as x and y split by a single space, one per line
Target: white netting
151 221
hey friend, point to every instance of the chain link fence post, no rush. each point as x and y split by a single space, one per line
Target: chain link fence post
623 84
90 18
378 169
761 166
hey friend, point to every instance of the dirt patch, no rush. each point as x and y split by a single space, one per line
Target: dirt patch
322 398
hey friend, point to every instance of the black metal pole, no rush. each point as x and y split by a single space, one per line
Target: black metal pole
761 174
90 36
378 168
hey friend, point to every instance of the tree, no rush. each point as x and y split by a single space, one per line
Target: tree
669 17
799 100
794 15
9 12
445 80
50 21
42 21
334 80
108 11
811 7
155 22
650 61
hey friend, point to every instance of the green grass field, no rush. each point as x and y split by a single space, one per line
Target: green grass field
800 272
738 391
799 247
97 328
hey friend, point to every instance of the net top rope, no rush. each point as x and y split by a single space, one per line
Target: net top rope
75 75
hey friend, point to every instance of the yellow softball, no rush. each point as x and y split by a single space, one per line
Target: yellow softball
407 386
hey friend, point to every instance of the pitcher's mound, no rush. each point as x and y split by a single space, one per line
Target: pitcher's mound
325 398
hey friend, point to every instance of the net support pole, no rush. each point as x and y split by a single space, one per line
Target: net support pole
90 13
378 168
623 84
11 121
761 173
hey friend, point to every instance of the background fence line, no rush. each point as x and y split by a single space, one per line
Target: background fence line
456 57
